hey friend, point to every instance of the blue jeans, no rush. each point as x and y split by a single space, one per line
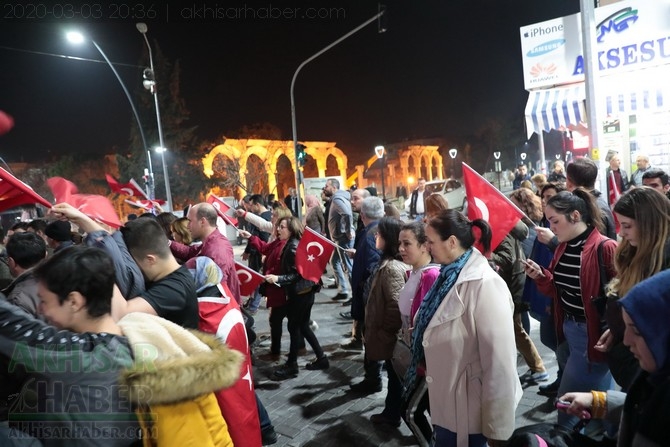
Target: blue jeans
447 438
255 302
342 277
263 416
580 374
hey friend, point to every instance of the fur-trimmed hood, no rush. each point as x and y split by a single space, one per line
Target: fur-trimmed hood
173 364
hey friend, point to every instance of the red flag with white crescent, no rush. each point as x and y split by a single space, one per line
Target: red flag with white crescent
249 279
312 255
222 316
223 210
486 202
98 208
127 189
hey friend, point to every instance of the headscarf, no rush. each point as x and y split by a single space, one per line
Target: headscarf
441 287
648 305
205 272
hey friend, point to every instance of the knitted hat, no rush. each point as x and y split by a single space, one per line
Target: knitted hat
59 231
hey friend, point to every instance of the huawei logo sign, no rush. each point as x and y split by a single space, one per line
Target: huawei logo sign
542 70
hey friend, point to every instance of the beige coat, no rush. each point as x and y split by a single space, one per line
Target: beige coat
382 316
471 356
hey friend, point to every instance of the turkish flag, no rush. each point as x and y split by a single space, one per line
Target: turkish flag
223 210
312 255
614 196
486 202
222 316
249 279
13 192
128 189
98 208
146 204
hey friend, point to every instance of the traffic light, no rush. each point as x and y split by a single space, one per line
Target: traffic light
300 154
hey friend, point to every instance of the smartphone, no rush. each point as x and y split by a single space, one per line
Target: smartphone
564 405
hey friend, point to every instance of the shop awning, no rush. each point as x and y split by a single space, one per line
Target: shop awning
555 108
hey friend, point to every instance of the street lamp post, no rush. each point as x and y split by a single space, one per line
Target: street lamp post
150 84
78 38
294 126
498 168
453 152
380 152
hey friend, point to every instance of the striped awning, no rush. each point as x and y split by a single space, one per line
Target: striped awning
555 108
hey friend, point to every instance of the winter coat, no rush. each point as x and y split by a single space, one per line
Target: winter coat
365 261
173 380
382 316
508 256
271 266
289 278
340 218
22 292
470 355
589 279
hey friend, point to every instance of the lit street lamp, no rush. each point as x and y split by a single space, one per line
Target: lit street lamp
497 167
150 84
78 38
380 152
453 152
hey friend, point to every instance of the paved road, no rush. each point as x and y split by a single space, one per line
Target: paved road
316 409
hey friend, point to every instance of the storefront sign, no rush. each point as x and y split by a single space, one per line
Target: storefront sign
630 35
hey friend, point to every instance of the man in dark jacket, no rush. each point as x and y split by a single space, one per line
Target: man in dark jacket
508 258
24 251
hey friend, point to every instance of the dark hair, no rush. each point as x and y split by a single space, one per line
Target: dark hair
581 200
144 237
147 215
419 230
257 199
452 223
165 220
389 230
87 270
556 186
656 173
582 172
19 226
26 249
294 226
38 225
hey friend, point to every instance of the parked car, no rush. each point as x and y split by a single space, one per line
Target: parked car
452 190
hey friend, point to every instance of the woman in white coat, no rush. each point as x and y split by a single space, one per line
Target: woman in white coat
464 336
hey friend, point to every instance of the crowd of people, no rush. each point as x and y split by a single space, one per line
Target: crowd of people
137 313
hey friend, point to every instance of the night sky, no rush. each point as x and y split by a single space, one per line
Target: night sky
441 69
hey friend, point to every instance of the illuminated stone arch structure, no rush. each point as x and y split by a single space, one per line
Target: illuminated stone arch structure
269 151
426 162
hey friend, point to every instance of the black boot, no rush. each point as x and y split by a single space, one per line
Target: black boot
286 371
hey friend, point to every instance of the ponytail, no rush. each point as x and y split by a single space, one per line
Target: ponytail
485 236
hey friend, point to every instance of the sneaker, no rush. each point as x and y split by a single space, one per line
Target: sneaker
381 418
346 315
320 363
366 387
313 325
534 377
347 302
286 371
340 296
353 345
331 286
269 435
550 390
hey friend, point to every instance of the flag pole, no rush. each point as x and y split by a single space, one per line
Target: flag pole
325 239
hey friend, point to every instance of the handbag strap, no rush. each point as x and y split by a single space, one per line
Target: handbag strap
601 266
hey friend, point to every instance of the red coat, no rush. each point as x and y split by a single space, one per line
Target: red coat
589 278
271 266
217 247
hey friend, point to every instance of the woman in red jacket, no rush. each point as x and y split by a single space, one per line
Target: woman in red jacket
573 279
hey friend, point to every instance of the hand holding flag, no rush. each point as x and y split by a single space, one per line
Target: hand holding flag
312 255
223 210
249 279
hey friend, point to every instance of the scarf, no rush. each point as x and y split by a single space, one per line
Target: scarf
443 284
